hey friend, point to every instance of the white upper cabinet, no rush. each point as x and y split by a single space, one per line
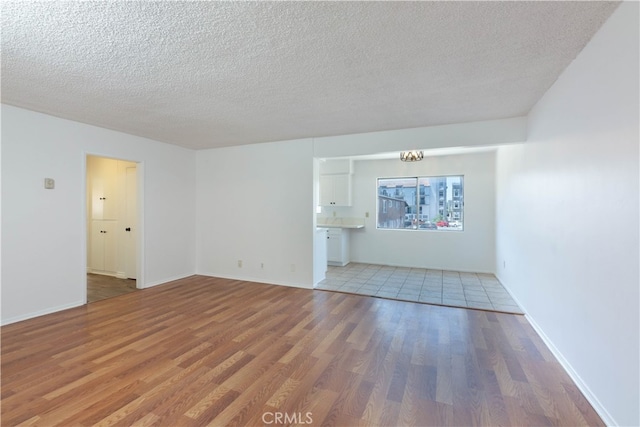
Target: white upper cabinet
102 187
335 183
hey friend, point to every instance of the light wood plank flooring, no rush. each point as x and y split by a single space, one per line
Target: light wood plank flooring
207 351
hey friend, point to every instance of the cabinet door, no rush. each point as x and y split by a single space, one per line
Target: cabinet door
103 182
335 190
103 246
334 248
96 260
326 190
110 246
342 190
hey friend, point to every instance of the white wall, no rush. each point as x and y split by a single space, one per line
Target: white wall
256 204
44 231
567 229
468 250
44 239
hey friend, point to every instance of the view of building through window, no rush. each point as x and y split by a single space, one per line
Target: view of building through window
421 203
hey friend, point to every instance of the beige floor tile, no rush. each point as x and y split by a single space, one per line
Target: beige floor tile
461 289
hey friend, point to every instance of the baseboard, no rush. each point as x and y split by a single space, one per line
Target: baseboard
575 377
461 270
167 280
104 273
582 386
258 280
39 313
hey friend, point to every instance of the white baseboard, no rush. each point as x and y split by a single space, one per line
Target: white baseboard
102 273
582 386
39 313
163 281
258 280
385 264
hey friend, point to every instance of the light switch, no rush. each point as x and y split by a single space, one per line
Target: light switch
49 183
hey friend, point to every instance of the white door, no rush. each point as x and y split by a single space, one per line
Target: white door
130 223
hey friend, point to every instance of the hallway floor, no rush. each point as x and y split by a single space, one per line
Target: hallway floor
441 287
101 287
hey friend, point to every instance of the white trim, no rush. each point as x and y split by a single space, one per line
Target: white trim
140 261
460 270
84 235
42 312
102 273
257 280
582 386
140 240
164 281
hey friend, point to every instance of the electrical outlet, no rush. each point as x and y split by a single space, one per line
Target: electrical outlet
366 214
49 183
239 263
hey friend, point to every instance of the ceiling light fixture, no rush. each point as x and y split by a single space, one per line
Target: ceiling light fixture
411 156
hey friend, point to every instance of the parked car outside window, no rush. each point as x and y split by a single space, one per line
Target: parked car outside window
428 225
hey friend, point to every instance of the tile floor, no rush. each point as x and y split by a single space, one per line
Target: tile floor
453 288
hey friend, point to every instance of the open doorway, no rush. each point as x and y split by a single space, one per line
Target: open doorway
111 227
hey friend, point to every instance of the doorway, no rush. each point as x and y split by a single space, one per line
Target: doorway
112 228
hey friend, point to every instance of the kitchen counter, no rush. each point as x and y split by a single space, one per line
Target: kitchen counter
340 222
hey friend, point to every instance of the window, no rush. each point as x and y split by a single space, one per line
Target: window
421 203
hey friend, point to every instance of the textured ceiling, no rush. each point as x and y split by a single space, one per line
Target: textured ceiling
212 74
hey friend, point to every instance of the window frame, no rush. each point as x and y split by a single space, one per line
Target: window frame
441 206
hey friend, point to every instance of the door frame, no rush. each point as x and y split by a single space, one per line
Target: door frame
128 268
140 267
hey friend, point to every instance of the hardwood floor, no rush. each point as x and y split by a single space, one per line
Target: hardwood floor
213 351
101 287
